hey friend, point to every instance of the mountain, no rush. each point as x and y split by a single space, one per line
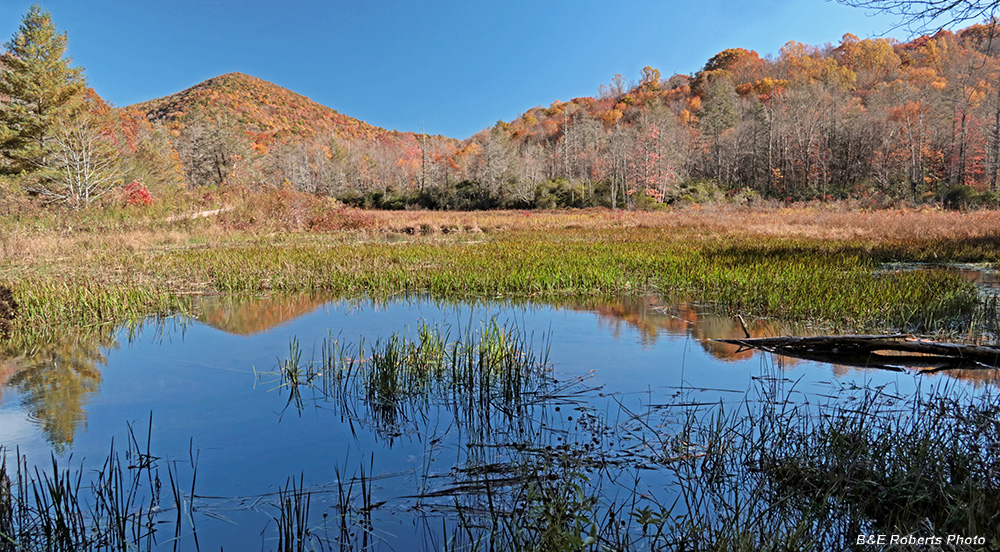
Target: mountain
240 129
255 105
875 120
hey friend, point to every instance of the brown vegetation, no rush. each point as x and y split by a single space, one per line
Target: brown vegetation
8 310
50 234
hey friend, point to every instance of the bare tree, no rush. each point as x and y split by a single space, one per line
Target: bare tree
529 172
585 138
497 164
207 148
620 144
81 165
919 16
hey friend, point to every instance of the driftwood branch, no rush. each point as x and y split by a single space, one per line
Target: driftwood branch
877 351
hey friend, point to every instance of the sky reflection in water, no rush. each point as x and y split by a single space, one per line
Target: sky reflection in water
198 380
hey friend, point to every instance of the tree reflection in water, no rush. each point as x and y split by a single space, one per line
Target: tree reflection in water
57 371
653 318
55 378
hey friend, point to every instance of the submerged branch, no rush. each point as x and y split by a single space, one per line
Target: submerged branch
877 351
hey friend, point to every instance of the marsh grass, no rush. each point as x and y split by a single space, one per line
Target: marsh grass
354 505
763 474
293 376
294 534
779 473
801 263
930 469
840 286
54 511
483 367
54 305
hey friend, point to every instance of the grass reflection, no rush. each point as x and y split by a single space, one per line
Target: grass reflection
494 368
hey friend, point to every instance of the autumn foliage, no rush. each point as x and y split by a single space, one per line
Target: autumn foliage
874 120
135 193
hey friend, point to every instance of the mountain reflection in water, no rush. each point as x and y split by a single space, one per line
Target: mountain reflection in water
248 315
55 377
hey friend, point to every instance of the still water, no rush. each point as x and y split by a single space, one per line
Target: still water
221 415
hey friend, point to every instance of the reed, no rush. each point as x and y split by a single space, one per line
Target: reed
930 470
294 534
777 473
54 510
292 375
494 364
769 473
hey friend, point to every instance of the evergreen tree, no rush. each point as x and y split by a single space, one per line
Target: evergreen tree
39 88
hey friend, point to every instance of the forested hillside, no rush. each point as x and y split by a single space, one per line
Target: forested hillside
238 129
866 118
874 119
871 119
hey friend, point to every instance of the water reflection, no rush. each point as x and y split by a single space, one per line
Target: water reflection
54 378
248 315
986 280
451 430
655 319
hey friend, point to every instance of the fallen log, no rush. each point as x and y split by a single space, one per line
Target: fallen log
879 351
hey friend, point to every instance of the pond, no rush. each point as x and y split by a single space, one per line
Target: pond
250 409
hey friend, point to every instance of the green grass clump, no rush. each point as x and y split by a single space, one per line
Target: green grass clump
81 302
495 364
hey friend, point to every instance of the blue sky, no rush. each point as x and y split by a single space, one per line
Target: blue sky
454 67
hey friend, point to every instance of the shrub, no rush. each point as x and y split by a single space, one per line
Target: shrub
960 197
136 193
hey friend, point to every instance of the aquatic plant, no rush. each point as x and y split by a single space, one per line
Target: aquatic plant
54 510
496 363
292 522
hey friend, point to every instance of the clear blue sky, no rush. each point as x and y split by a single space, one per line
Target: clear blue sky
455 67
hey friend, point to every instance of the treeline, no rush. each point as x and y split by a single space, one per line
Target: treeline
872 119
